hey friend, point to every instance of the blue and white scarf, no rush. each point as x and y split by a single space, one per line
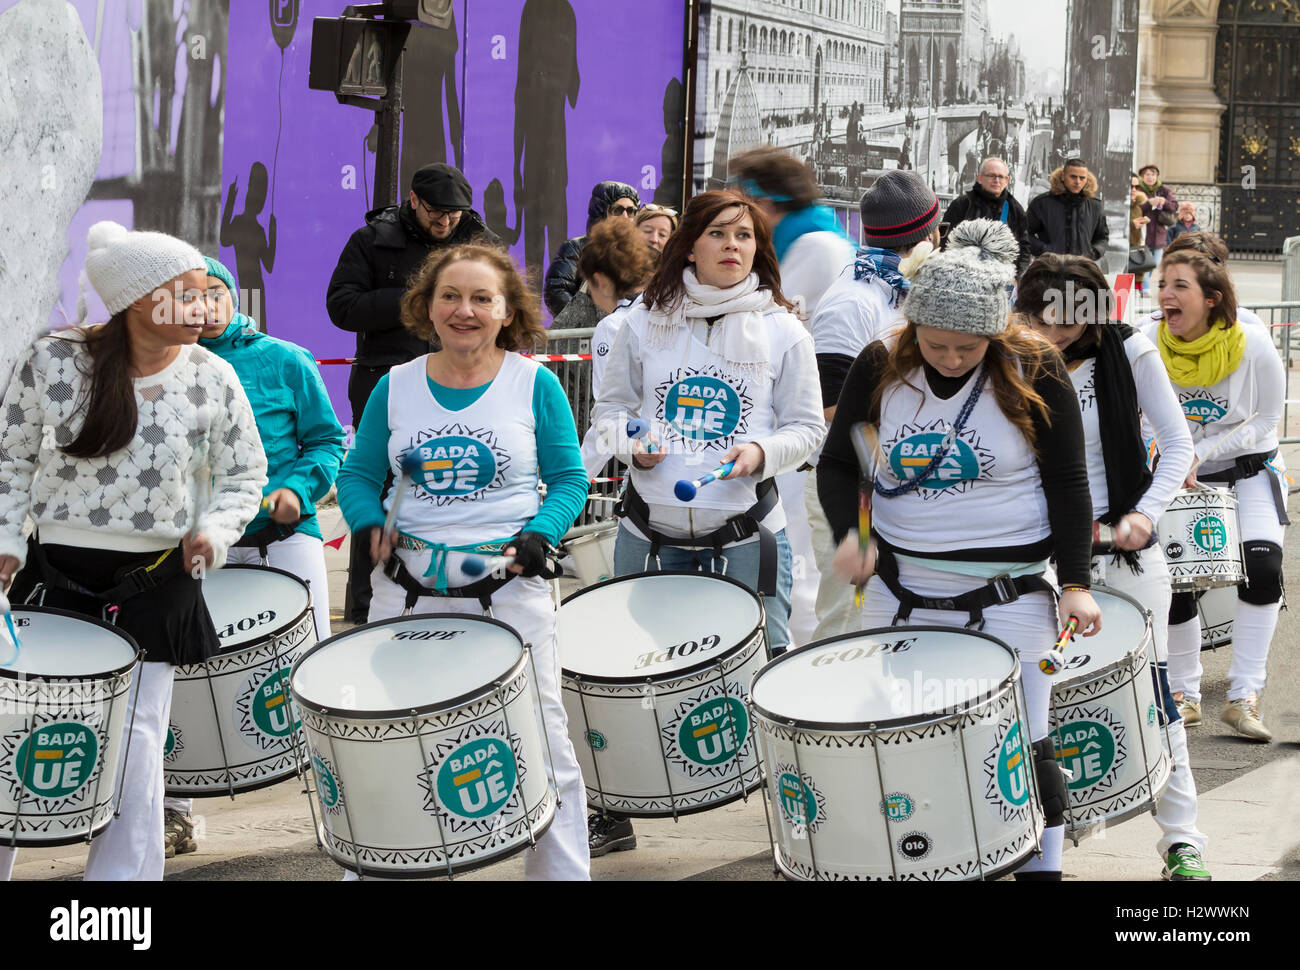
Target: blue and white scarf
872 263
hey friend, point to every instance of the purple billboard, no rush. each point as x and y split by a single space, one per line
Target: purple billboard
211 133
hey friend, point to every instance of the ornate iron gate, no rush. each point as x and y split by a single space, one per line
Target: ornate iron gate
1257 74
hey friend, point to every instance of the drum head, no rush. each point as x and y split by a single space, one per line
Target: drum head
613 632
56 643
250 604
414 663
883 678
1123 630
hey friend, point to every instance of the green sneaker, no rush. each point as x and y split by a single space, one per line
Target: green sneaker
1183 864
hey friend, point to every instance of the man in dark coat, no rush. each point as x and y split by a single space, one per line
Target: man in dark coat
1069 218
562 280
990 198
365 297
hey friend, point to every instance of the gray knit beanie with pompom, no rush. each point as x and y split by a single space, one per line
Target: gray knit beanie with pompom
964 288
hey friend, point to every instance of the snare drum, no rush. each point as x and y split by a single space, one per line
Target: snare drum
1201 538
232 727
63 706
427 745
656 670
1105 719
593 555
898 754
1218 609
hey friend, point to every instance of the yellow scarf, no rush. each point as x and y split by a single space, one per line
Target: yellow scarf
1205 361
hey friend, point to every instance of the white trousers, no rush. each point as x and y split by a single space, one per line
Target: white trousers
1176 807
525 605
804 568
300 555
1027 626
836 612
131 848
1253 626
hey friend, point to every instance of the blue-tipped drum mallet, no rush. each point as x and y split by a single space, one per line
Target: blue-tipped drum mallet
410 463
639 428
478 565
13 634
685 490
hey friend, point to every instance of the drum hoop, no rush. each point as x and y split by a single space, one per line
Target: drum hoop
27 676
408 713
1125 662
886 726
274 631
679 673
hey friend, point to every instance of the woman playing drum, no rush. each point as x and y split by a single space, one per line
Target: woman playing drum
724 372
489 423
1230 383
1119 378
136 454
981 480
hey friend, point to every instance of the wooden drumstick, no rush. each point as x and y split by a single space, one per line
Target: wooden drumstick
867 445
410 462
1221 445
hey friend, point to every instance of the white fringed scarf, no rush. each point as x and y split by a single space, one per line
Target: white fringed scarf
740 336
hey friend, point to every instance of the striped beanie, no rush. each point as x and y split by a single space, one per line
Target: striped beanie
898 211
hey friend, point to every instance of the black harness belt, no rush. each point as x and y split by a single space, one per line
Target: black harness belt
126 582
1247 466
738 528
999 591
482 590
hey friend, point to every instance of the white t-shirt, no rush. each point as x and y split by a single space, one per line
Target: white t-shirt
811 266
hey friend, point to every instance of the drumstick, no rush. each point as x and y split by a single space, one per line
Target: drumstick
867 445
268 506
13 634
478 565
639 428
1055 659
410 462
685 490
1219 447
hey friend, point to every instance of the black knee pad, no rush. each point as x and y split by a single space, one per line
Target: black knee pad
1051 782
1263 563
1182 608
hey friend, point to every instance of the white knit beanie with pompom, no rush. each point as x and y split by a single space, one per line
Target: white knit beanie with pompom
123 266
964 288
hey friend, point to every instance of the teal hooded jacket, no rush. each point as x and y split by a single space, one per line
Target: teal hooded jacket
300 432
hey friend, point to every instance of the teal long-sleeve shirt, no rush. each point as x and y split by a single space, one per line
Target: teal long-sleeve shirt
361 482
300 433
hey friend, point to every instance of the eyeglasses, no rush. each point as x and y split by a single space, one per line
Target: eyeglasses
437 215
622 210
995 178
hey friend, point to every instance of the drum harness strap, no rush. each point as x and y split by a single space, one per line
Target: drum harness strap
127 582
738 528
269 534
481 590
1247 466
1002 589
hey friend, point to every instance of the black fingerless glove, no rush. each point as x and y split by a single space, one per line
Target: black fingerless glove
531 551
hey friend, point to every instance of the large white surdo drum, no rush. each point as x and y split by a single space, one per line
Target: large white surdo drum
427 745
898 754
656 672
63 706
233 727
1105 719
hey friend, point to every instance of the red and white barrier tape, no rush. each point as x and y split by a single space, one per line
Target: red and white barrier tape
548 358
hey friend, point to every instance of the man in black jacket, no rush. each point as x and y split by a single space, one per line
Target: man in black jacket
1069 218
562 282
365 296
990 198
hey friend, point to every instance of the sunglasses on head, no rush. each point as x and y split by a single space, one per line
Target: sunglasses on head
661 209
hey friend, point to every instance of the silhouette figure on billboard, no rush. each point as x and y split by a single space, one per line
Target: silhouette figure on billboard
254 247
547 78
429 80
669 191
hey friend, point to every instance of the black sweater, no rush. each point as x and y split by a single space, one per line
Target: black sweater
1062 466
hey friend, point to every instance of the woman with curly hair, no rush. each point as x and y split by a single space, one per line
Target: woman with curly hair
471 303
